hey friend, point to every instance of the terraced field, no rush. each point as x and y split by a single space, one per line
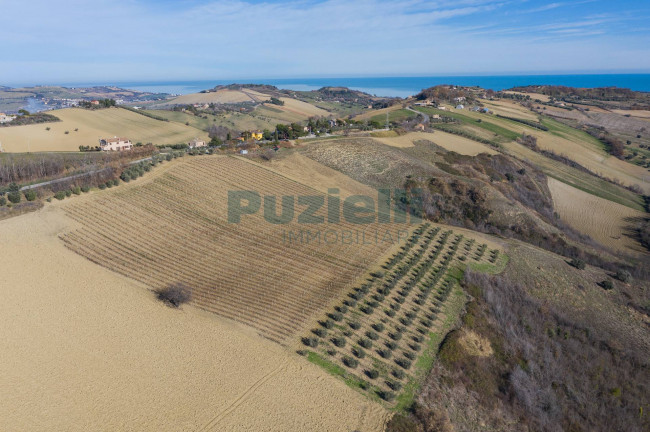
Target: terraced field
173 228
379 336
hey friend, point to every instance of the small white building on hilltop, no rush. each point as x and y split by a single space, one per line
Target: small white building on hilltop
115 144
196 143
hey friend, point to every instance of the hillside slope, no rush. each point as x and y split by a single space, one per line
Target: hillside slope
86 127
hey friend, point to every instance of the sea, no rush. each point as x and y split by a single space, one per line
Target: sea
398 86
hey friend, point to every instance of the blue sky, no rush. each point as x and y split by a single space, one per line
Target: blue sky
44 41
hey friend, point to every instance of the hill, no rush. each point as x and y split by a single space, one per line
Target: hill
80 127
466 269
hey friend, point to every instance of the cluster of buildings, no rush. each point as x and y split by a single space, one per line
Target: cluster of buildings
124 144
256 135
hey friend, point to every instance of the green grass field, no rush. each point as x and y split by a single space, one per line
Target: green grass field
397 115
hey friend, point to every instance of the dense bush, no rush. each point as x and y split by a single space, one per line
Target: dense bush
328 324
409 355
3 201
85 188
356 325
403 362
59 195
390 345
76 190
359 352
393 385
366 343
14 193
372 335
175 294
310 342
350 362
379 327
339 341
372 373
30 194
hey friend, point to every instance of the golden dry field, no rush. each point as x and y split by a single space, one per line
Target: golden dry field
641 114
604 221
542 97
510 108
174 228
445 140
302 108
83 348
86 127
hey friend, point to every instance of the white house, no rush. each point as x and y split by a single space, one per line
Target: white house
196 143
115 144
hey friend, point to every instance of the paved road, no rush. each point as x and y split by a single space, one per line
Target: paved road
72 177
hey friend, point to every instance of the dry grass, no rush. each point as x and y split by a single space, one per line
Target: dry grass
302 108
310 173
84 348
533 96
548 276
604 221
575 147
510 108
93 125
445 140
475 344
642 114
173 228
